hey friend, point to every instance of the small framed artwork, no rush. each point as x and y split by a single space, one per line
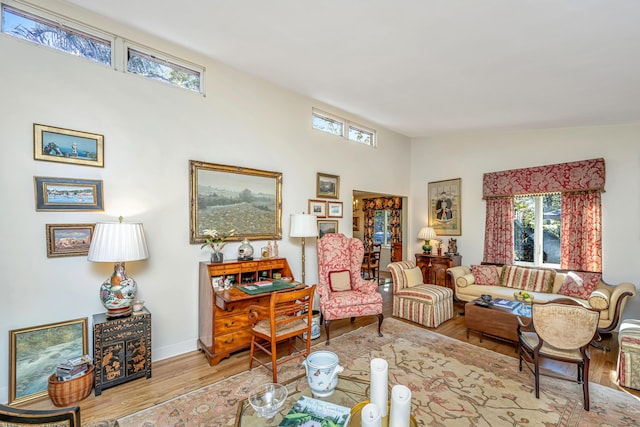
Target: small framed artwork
335 209
327 226
356 223
67 194
54 144
328 186
318 208
445 207
69 239
48 345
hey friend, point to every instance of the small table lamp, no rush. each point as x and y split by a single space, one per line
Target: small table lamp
303 225
118 242
426 234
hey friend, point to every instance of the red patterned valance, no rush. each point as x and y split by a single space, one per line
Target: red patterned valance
585 175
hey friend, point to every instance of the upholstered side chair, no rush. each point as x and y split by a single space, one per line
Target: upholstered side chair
562 330
343 292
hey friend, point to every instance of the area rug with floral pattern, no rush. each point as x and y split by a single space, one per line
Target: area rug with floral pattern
453 383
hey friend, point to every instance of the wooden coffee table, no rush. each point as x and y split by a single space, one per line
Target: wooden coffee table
497 322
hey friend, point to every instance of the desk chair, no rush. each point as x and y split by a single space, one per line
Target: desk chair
288 317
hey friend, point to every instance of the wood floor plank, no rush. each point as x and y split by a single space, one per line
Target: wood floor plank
187 372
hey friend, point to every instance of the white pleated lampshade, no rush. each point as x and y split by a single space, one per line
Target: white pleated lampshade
303 225
118 242
427 233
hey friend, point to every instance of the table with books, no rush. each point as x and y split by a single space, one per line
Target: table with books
498 318
347 398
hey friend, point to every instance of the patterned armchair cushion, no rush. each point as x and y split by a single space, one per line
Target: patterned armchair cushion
579 284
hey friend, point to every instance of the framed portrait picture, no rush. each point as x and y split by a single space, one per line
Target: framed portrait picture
54 144
232 197
327 226
68 194
334 209
328 186
445 207
69 239
48 345
318 208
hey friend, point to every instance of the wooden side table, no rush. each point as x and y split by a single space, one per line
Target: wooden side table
434 268
121 349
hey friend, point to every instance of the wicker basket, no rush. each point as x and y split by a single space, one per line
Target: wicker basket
65 393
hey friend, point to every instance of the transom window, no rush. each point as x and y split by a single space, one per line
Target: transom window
156 67
46 32
335 125
537 225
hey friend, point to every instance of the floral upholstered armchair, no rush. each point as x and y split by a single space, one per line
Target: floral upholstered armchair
343 292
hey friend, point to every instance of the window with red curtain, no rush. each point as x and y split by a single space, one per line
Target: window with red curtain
580 184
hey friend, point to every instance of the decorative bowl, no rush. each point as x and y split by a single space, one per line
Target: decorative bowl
137 305
486 297
268 398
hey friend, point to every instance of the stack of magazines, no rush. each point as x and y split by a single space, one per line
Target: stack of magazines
73 368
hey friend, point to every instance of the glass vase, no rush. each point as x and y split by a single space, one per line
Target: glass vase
216 257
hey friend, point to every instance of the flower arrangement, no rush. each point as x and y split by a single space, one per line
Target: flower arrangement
216 240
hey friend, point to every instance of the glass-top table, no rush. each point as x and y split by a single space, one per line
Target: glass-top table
351 392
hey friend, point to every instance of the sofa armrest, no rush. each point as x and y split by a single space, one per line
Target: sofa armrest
458 272
619 295
365 286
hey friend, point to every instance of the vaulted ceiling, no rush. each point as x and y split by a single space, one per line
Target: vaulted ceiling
422 67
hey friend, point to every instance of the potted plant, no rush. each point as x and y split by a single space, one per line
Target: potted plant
216 241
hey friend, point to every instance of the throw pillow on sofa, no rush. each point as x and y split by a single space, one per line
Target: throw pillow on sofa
412 276
340 280
528 279
579 284
486 275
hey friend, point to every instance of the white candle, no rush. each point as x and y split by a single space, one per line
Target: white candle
371 416
379 391
400 406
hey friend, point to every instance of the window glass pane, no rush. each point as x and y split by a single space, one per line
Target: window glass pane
326 124
165 71
381 232
551 225
47 33
524 229
360 135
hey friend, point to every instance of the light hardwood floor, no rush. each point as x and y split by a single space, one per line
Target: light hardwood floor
177 375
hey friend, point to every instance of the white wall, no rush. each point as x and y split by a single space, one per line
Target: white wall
469 156
151 131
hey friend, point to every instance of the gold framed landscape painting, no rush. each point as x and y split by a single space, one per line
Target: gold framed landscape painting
445 207
53 144
68 239
246 200
327 186
35 352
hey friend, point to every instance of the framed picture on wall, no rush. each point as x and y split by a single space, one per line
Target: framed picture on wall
68 194
327 226
335 209
35 352
54 144
69 239
318 208
445 207
246 200
328 186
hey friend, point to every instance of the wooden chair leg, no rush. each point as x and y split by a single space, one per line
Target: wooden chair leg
326 328
253 339
274 365
380 318
585 384
536 363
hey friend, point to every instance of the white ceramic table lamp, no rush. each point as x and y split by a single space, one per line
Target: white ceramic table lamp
118 242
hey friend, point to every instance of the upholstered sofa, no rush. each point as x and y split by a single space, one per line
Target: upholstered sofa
545 285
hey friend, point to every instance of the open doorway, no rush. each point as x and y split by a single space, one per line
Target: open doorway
381 218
